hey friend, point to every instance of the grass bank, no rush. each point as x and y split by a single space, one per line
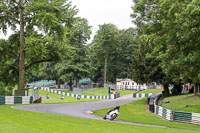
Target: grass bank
103 92
136 112
187 103
151 91
58 96
19 121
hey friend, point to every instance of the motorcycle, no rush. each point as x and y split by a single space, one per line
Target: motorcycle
112 114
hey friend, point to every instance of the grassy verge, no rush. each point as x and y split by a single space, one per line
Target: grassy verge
126 92
178 103
151 91
93 92
136 112
58 100
18 121
96 92
103 92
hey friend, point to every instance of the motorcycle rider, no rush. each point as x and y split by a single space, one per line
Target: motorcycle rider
116 108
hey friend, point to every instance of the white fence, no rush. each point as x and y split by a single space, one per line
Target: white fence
137 87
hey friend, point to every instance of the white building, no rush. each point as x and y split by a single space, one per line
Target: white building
128 84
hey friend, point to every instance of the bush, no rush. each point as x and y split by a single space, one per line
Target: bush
5 90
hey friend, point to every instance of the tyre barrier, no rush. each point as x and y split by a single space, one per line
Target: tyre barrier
16 100
177 116
164 113
143 95
74 95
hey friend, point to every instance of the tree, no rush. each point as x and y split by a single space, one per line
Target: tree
104 44
174 28
77 66
34 17
182 40
147 67
124 53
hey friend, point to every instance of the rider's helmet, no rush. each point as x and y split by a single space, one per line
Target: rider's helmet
117 107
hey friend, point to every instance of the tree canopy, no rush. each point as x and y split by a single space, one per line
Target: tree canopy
38 32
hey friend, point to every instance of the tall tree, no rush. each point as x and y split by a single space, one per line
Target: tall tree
148 67
124 53
104 44
173 26
77 66
48 17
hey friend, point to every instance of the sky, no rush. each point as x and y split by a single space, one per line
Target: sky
99 12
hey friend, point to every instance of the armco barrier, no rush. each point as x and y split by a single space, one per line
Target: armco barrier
16 100
177 116
74 95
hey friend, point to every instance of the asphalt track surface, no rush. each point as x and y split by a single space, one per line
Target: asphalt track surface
84 109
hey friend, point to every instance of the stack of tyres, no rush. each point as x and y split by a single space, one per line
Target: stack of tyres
2 100
17 100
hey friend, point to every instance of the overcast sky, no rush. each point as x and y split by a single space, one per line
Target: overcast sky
98 12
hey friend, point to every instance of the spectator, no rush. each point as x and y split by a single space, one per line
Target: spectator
47 96
62 97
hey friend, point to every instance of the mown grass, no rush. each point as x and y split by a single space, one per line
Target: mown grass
126 92
136 112
103 92
58 96
92 92
19 121
178 103
96 92
151 91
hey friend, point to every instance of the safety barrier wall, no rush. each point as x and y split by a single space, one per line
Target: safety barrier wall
178 116
16 100
195 118
164 113
136 95
74 95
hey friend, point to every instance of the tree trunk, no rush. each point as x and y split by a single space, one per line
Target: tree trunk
166 89
195 89
105 69
70 84
22 45
77 82
58 83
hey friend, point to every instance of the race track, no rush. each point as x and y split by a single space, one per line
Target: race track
83 109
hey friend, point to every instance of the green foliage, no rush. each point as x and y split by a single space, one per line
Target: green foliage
5 90
123 58
174 28
116 45
145 66
103 49
45 24
77 65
